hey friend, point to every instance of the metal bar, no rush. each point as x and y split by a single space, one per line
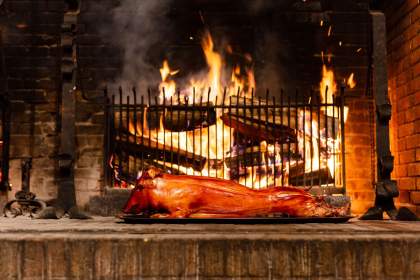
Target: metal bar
343 147
319 139
333 139
304 144
236 140
172 144
252 147
127 134
208 132
120 157
311 137
266 128
135 124
201 129
157 123
217 144
219 105
230 132
178 142
164 130
113 137
193 121
297 131
223 135
281 144
106 138
186 123
275 150
327 154
259 146
143 122
149 97
288 142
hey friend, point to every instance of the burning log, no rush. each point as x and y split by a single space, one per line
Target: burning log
298 176
257 156
181 117
258 131
149 149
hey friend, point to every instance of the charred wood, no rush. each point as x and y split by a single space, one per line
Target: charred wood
258 131
299 177
150 149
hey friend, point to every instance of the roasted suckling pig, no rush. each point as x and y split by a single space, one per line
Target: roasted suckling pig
160 195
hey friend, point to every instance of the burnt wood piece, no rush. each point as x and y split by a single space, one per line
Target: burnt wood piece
176 117
252 157
298 176
332 123
262 110
153 150
181 117
188 118
257 130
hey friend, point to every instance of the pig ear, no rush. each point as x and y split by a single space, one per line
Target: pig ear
153 172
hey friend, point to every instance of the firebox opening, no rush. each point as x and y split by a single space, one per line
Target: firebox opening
254 95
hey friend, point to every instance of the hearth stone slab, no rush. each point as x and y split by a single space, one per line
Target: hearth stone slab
103 249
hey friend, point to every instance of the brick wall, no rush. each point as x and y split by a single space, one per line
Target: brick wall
404 89
99 66
31 37
31 48
360 157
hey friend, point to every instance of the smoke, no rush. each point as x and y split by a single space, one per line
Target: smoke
275 71
138 29
274 58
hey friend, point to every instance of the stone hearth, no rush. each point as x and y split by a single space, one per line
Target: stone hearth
104 249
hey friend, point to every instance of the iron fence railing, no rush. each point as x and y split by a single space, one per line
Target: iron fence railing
256 141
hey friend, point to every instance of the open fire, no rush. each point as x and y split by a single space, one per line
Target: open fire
214 125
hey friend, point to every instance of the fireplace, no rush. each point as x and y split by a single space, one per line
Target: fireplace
290 47
299 78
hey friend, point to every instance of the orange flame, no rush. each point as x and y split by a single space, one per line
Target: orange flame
210 142
167 86
351 83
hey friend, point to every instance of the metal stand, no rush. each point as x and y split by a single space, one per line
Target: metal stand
25 202
386 189
66 197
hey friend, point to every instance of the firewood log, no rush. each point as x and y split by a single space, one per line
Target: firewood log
299 177
149 149
259 131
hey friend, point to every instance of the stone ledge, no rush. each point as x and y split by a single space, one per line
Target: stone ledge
103 249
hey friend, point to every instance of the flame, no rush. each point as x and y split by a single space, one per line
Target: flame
214 62
167 86
327 87
319 149
351 83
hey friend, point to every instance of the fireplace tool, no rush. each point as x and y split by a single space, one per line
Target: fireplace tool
66 197
386 189
25 202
